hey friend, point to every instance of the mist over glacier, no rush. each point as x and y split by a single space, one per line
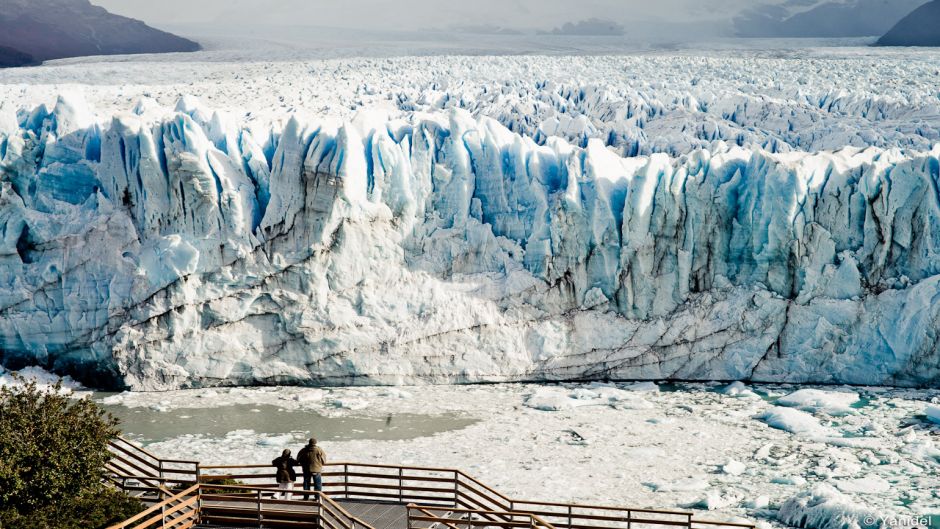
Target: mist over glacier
164 248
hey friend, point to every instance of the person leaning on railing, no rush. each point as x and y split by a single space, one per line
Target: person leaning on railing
285 473
311 459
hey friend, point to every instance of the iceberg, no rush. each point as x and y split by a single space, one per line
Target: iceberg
166 249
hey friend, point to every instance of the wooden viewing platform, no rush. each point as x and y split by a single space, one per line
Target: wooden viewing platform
186 494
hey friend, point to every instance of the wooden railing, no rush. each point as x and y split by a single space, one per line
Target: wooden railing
442 487
134 469
180 511
374 482
247 506
241 506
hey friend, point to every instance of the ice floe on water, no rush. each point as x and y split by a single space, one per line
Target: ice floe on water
831 402
795 421
553 398
43 379
689 446
739 389
823 507
933 413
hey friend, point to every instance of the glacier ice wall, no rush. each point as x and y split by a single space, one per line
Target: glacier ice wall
180 249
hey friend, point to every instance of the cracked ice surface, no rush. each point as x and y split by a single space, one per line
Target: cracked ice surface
374 226
694 446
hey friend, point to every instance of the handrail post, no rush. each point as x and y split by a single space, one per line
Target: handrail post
258 499
346 480
629 519
569 516
163 514
689 520
198 498
198 473
401 485
456 489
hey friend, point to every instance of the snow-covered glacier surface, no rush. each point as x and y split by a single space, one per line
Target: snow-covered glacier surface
434 235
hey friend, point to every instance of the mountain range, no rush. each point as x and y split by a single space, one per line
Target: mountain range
828 19
920 28
37 30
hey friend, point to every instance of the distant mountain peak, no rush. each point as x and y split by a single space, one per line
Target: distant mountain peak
920 28
54 29
823 19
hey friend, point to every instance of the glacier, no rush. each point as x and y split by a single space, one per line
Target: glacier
170 248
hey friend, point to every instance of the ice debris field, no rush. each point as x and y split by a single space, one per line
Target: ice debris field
779 455
458 219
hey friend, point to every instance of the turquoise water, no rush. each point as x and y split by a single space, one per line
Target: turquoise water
149 426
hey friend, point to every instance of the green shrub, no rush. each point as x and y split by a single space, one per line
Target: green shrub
53 449
92 509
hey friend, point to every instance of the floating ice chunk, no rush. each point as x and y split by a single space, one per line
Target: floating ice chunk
550 399
816 400
866 485
584 394
575 438
44 380
733 468
395 393
714 501
794 421
163 406
738 389
114 400
789 480
632 403
312 395
764 451
760 502
281 441
350 403
824 507
682 485
650 387
555 398
933 413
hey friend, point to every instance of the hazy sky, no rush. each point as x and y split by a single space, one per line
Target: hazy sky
417 14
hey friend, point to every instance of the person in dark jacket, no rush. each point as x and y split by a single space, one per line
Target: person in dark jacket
311 459
285 473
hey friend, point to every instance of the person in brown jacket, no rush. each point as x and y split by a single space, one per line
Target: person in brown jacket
285 473
311 459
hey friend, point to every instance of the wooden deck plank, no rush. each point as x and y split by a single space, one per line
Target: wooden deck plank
378 515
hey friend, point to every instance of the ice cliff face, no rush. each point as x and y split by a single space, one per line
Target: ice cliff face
161 250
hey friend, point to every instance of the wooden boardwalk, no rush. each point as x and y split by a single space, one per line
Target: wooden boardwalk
378 515
187 495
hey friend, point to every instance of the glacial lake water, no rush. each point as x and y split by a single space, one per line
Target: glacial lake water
150 426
